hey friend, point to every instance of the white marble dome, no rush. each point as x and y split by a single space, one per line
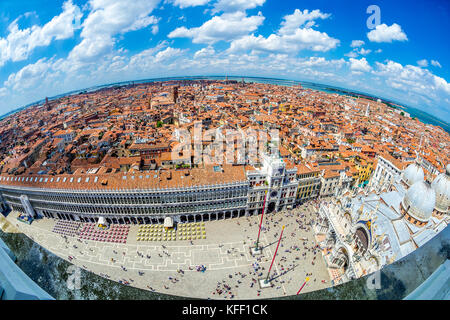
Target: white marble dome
419 201
412 174
441 186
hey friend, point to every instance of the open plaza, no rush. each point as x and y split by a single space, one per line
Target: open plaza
219 266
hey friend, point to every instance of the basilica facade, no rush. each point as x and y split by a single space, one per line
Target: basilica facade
361 231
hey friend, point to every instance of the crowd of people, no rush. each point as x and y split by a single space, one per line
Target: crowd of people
296 249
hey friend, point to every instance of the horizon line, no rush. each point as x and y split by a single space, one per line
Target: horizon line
98 87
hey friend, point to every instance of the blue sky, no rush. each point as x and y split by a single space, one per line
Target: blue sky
48 47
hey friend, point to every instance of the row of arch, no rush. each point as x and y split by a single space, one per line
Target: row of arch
154 220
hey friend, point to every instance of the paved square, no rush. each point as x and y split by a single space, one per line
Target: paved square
231 271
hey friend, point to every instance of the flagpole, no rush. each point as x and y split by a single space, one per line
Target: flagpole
273 259
260 223
306 280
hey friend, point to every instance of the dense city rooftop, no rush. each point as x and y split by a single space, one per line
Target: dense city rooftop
132 130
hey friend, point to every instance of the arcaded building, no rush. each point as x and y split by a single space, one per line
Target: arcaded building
210 193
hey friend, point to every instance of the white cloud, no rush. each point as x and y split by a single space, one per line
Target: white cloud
141 23
294 35
226 27
3 92
30 76
19 43
384 33
167 54
357 43
423 63
188 3
301 19
408 84
364 51
351 54
236 5
155 57
355 52
359 65
413 80
436 63
108 18
302 39
205 52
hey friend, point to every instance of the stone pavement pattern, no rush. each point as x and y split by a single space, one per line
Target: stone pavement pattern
225 253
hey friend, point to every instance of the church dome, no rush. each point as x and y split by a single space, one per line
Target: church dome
413 173
419 201
441 186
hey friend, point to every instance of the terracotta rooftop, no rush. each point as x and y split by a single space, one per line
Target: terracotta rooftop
211 175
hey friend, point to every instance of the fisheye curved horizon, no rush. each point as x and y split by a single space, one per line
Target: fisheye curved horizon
422 115
240 150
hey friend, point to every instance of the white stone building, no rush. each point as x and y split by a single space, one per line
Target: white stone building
361 233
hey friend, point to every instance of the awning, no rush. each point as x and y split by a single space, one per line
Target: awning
168 222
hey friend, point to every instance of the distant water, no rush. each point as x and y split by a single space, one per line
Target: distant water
421 115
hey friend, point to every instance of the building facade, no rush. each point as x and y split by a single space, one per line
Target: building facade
362 231
218 192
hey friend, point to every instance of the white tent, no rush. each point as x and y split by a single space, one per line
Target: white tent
168 222
102 222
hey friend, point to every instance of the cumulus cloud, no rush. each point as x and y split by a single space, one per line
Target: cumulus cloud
149 59
167 54
226 27
188 3
416 85
19 43
30 76
384 33
413 80
295 34
205 52
301 19
423 63
356 52
107 19
352 54
3 92
436 63
359 65
357 43
364 51
236 5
